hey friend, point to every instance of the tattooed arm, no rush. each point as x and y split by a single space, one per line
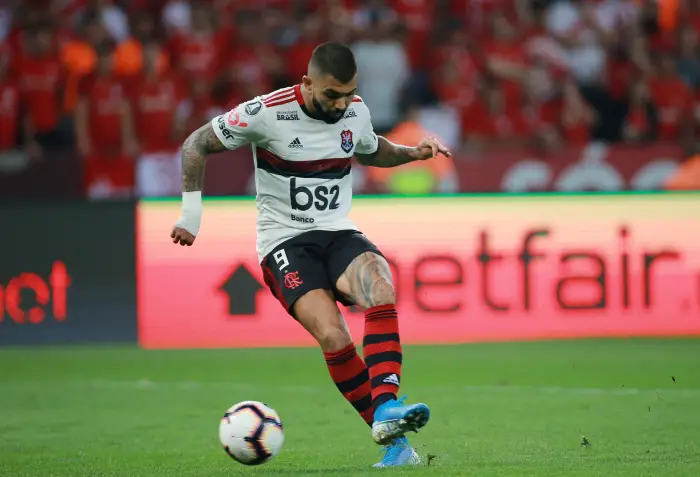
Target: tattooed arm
244 124
389 154
200 144
195 150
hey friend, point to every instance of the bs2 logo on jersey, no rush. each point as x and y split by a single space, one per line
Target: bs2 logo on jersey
318 198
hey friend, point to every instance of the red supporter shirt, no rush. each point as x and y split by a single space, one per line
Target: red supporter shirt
105 97
478 120
154 104
456 77
196 55
246 63
513 53
418 16
619 75
41 81
673 101
575 128
9 114
637 117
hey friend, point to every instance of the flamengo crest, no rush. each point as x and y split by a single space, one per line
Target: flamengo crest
346 140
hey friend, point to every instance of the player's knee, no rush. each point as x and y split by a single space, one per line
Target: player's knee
333 338
382 293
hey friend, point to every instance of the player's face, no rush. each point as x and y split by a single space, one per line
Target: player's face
332 98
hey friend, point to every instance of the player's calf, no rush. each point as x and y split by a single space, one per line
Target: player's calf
349 373
318 313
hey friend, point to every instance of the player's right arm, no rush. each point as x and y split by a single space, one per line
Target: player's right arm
200 144
242 125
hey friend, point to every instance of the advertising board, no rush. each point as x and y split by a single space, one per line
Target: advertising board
467 269
68 273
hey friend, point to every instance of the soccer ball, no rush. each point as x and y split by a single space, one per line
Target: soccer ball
251 432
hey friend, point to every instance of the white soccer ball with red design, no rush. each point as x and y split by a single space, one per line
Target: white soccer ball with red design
251 432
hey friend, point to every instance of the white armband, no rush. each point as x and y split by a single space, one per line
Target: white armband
191 217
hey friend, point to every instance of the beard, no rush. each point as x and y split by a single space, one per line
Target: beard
324 116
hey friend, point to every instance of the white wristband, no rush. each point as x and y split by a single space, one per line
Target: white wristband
191 217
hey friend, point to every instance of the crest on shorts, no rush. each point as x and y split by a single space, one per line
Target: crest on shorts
292 280
346 140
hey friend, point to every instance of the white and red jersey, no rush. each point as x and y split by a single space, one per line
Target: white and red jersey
302 165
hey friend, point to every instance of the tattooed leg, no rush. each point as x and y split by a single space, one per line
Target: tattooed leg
367 282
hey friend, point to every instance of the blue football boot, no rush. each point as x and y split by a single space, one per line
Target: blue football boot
399 453
393 419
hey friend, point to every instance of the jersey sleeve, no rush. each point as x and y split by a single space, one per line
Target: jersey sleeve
368 143
245 124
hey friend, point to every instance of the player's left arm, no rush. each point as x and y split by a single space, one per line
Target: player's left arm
389 154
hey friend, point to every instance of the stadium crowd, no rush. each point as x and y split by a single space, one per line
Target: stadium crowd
122 83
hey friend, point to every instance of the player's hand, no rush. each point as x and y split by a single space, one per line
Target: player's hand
182 236
430 147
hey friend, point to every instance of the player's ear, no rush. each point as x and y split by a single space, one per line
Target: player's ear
306 81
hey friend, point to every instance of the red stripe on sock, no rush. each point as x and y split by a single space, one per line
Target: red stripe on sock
350 366
387 367
384 388
381 326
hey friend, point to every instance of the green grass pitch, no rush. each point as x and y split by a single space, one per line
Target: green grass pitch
497 409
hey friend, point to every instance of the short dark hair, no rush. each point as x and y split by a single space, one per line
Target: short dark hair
334 59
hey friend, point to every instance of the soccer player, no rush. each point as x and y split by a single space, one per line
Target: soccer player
311 254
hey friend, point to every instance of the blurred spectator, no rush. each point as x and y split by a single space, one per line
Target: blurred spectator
156 98
688 63
176 17
506 58
418 16
128 56
641 122
672 100
104 132
195 52
10 157
577 117
253 66
455 76
382 72
109 15
297 57
490 120
436 175
79 57
198 107
41 84
584 28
